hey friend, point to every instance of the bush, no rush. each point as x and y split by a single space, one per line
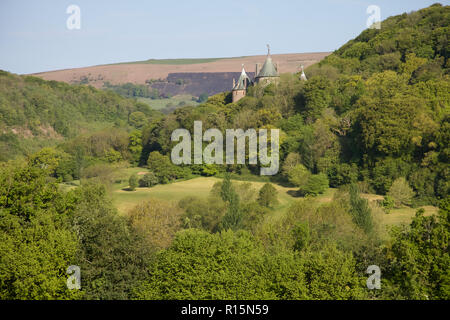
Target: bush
148 180
164 169
387 203
298 175
401 192
316 184
360 211
133 182
343 173
268 195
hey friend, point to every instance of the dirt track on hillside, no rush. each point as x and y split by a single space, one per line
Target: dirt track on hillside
139 73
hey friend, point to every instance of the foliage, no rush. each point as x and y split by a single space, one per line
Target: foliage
163 168
360 211
401 192
133 182
316 184
233 217
36 242
268 195
157 221
148 180
419 257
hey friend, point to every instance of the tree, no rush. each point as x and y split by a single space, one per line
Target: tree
360 211
418 257
316 184
226 265
298 175
401 192
268 195
37 244
133 182
148 180
138 119
233 217
163 168
112 257
157 221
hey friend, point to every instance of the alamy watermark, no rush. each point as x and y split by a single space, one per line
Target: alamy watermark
74 20
214 151
374 20
74 280
374 280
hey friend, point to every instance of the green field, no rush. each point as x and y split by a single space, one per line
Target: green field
174 61
158 104
200 187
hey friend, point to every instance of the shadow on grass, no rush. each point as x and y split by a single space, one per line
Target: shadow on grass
128 189
295 193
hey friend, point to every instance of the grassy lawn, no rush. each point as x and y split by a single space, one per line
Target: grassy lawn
174 61
158 104
404 215
201 186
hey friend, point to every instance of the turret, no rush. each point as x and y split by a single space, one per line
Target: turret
240 88
268 72
303 75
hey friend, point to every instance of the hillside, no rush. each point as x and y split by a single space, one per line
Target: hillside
35 112
141 72
423 33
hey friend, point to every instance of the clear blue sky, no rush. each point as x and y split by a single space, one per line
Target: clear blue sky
34 36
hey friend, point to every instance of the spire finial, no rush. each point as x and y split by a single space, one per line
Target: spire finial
268 49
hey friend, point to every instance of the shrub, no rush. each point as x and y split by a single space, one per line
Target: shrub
133 182
316 184
148 180
157 221
387 203
360 211
401 192
298 175
343 173
268 195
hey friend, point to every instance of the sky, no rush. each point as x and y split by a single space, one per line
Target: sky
34 36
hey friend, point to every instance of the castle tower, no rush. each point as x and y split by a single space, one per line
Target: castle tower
269 71
303 75
240 87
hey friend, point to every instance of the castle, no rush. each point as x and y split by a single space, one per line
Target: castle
268 74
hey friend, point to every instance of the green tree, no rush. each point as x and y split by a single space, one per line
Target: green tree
137 119
268 195
148 180
401 192
37 244
298 175
233 217
113 259
418 257
133 182
316 184
360 211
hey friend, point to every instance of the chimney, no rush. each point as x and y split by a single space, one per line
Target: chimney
256 71
234 83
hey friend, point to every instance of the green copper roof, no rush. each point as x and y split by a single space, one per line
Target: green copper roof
243 81
268 69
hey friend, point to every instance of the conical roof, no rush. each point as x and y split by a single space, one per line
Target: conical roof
268 69
303 75
243 81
